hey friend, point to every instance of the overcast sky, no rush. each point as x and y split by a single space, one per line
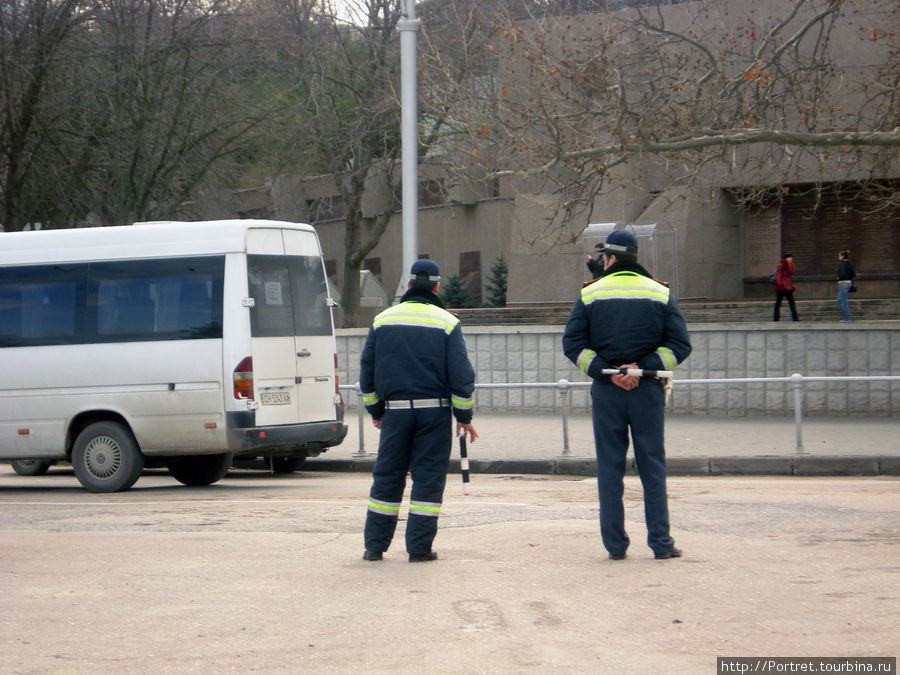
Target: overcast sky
348 9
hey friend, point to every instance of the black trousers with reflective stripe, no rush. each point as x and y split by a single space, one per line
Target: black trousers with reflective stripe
417 442
615 413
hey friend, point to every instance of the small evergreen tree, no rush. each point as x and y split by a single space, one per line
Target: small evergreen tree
454 293
496 286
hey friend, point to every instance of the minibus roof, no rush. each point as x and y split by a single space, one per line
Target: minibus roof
142 240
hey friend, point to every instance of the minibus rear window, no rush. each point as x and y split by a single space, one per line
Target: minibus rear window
290 296
312 315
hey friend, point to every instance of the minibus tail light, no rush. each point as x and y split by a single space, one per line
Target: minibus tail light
338 399
337 381
243 379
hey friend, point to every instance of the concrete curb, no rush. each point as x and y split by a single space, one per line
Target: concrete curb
677 466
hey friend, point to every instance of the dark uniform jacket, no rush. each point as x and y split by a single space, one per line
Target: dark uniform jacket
415 350
625 317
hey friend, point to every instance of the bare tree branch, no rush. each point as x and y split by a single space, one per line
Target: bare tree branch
728 137
683 91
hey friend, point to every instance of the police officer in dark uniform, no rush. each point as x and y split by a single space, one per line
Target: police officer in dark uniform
414 371
627 319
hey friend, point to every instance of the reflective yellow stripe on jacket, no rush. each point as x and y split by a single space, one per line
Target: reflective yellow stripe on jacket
667 356
624 286
417 314
585 359
463 403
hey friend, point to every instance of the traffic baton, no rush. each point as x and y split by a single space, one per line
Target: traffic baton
639 372
665 377
464 462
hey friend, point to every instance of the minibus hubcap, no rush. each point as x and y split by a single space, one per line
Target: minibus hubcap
103 457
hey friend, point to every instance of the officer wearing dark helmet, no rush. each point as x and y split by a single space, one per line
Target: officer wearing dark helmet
414 371
627 319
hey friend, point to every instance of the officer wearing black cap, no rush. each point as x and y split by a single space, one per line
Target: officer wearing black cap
414 371
627 319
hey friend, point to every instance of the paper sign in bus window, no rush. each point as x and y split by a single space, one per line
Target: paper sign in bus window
273 293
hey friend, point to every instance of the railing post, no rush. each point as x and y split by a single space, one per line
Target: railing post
564 392
797 385
360 422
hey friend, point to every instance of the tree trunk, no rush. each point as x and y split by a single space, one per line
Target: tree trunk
350 299
356 249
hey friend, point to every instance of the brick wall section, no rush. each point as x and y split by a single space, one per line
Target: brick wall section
504 354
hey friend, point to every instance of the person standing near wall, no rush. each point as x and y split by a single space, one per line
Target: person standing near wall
628 319
845 275
414 369
784 286
595 264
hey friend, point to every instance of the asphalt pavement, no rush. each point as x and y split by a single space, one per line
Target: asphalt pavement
264 574
695 445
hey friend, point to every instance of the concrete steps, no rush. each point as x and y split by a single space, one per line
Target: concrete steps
735 311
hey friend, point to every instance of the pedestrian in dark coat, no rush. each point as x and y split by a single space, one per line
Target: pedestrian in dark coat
845 275
627 319
595 263
414 371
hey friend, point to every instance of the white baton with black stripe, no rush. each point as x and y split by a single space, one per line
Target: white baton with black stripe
665 377
464 461
639 372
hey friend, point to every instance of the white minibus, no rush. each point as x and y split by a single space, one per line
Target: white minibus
174 344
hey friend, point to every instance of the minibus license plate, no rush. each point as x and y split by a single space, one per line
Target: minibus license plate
275 397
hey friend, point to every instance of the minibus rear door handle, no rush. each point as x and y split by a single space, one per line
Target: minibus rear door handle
303 353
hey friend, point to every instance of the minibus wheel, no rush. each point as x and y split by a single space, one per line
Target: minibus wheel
30 467
287 464
106 457
197 470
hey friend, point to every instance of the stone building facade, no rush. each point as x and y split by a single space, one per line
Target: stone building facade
721 252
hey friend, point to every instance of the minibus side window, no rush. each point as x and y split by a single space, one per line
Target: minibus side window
41 305
175 299
117 301
125 307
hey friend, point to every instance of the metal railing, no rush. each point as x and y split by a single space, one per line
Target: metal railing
565 388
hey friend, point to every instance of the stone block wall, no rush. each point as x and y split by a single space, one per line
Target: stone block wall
763 350
533 354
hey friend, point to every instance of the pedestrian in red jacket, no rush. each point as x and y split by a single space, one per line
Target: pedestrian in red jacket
784 286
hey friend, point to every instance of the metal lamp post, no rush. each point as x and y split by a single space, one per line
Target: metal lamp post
408 26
